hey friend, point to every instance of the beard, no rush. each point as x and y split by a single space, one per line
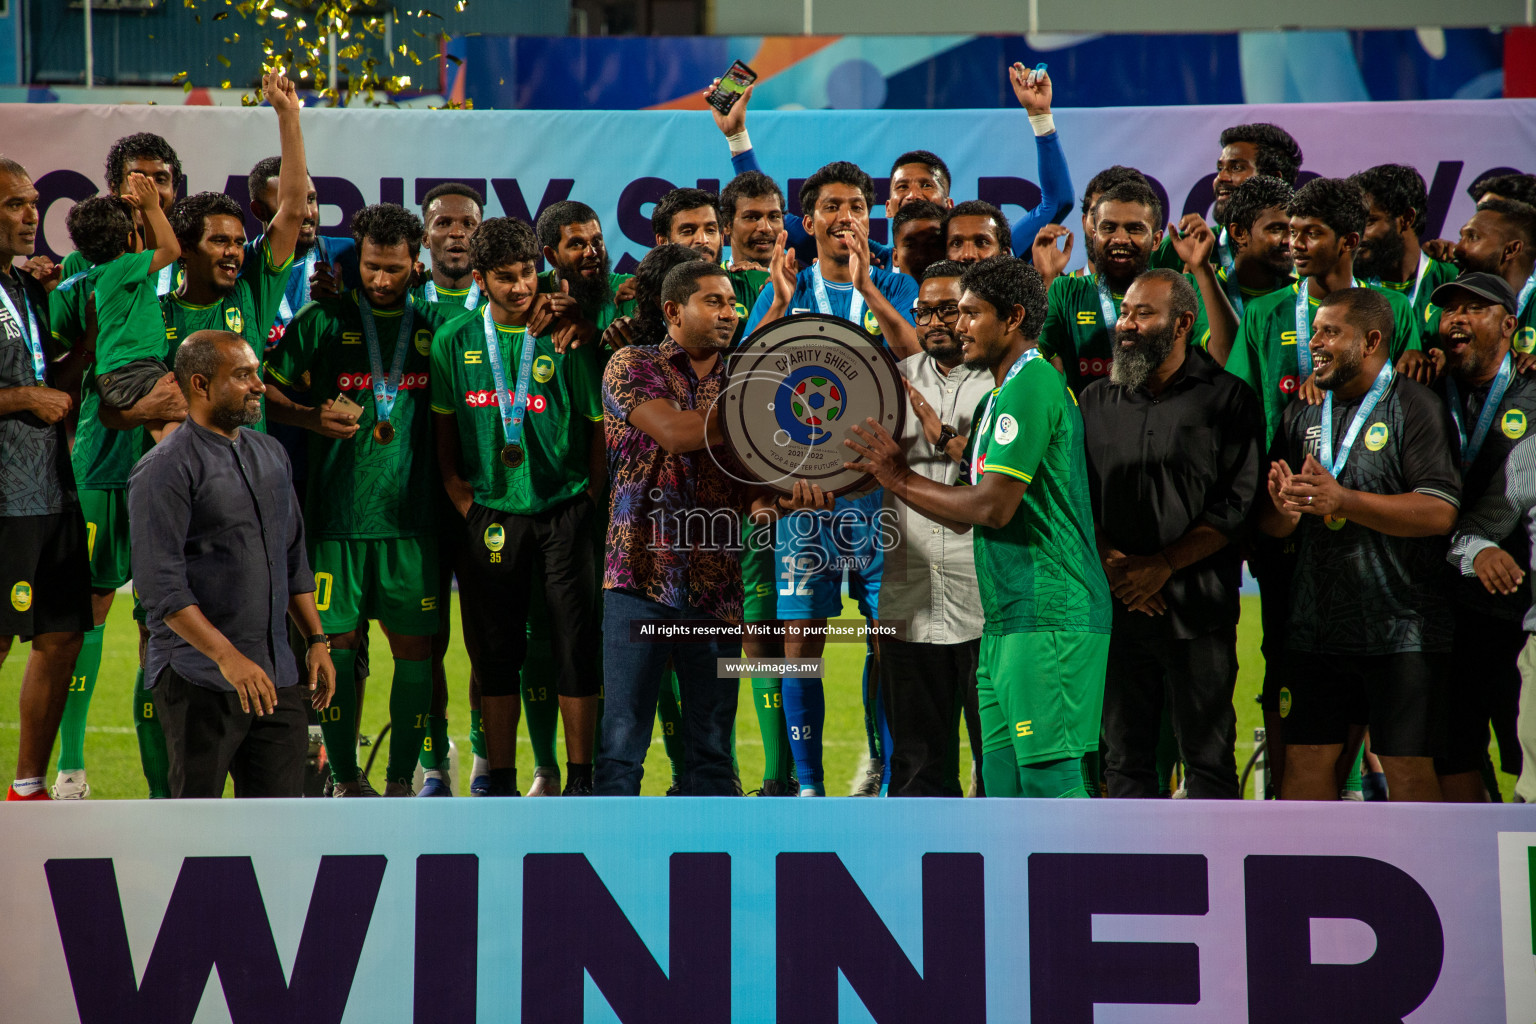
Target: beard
231 417
945 349
1132 366
1345 368
1140 260
1091 250
1381 257
591 294
1468 264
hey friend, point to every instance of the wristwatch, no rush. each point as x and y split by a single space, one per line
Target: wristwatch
317 638
946 435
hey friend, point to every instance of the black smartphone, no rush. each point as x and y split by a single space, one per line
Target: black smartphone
732 84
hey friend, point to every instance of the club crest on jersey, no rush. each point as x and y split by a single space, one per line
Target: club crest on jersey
870 323
21 596
495 537
741 311
1006 430
1376 437
1524 340
543 369
234 321
423 341
1513 423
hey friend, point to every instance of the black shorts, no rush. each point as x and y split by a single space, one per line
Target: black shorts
502 556
1400 697
1482 678
45 575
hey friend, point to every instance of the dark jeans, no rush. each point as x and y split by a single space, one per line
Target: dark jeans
634 670
208 738
924 687
1196 678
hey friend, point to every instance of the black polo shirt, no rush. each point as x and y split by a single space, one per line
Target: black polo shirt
1356 591
35 475
1157 466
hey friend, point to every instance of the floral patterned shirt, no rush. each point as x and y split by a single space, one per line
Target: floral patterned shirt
674 526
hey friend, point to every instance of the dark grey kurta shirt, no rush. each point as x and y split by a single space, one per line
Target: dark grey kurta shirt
215 523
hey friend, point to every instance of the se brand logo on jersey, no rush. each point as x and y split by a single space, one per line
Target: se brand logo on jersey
1513 424
351 337
21 596
474 357
1376 436
495 537
364 381
234 321
1007 429
1085 318
543 369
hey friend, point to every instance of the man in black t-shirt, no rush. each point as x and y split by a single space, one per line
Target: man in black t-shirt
1375 486
44 576
1491 406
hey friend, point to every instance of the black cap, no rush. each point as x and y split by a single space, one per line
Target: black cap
1489 286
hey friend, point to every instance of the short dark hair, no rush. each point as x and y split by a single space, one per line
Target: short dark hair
99 227
680 200
936 167
143 145
1005 282
1519 216
650 274
1397 189
1365 309
387 225
1278 155
918 209
1519 187
198 355
267 168
746 185
452 188
188 216
1107 179
977 208
1138 192
838 172
1181 294
9 166
683 280
501 242
1253 197
945 268
1337 202
558 215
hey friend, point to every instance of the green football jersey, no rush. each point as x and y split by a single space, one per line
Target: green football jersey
549 282
1425 314
1076 332
1264 353
1165 258
565 407
249 310
128 323
360 488
452 300
1042 570
747 284
102 458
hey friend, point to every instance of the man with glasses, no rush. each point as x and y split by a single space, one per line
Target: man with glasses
929 593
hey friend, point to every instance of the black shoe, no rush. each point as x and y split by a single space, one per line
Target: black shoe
676 789
576 786
773 787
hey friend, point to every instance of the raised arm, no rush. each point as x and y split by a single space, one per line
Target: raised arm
1033 91
293 179
144 197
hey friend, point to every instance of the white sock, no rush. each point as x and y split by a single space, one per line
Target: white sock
434 773
482 767
27 787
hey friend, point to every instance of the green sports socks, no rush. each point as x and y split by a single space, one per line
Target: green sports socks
768 702
153 757
669 710
82 683
338 722
1048 780
434 749
410 701
476 734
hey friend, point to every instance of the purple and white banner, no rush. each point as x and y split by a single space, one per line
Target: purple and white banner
633 910
622 162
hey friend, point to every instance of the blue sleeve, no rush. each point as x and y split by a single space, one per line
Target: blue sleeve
341 253
901 291
744 161
1056 196
881 253
759 309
